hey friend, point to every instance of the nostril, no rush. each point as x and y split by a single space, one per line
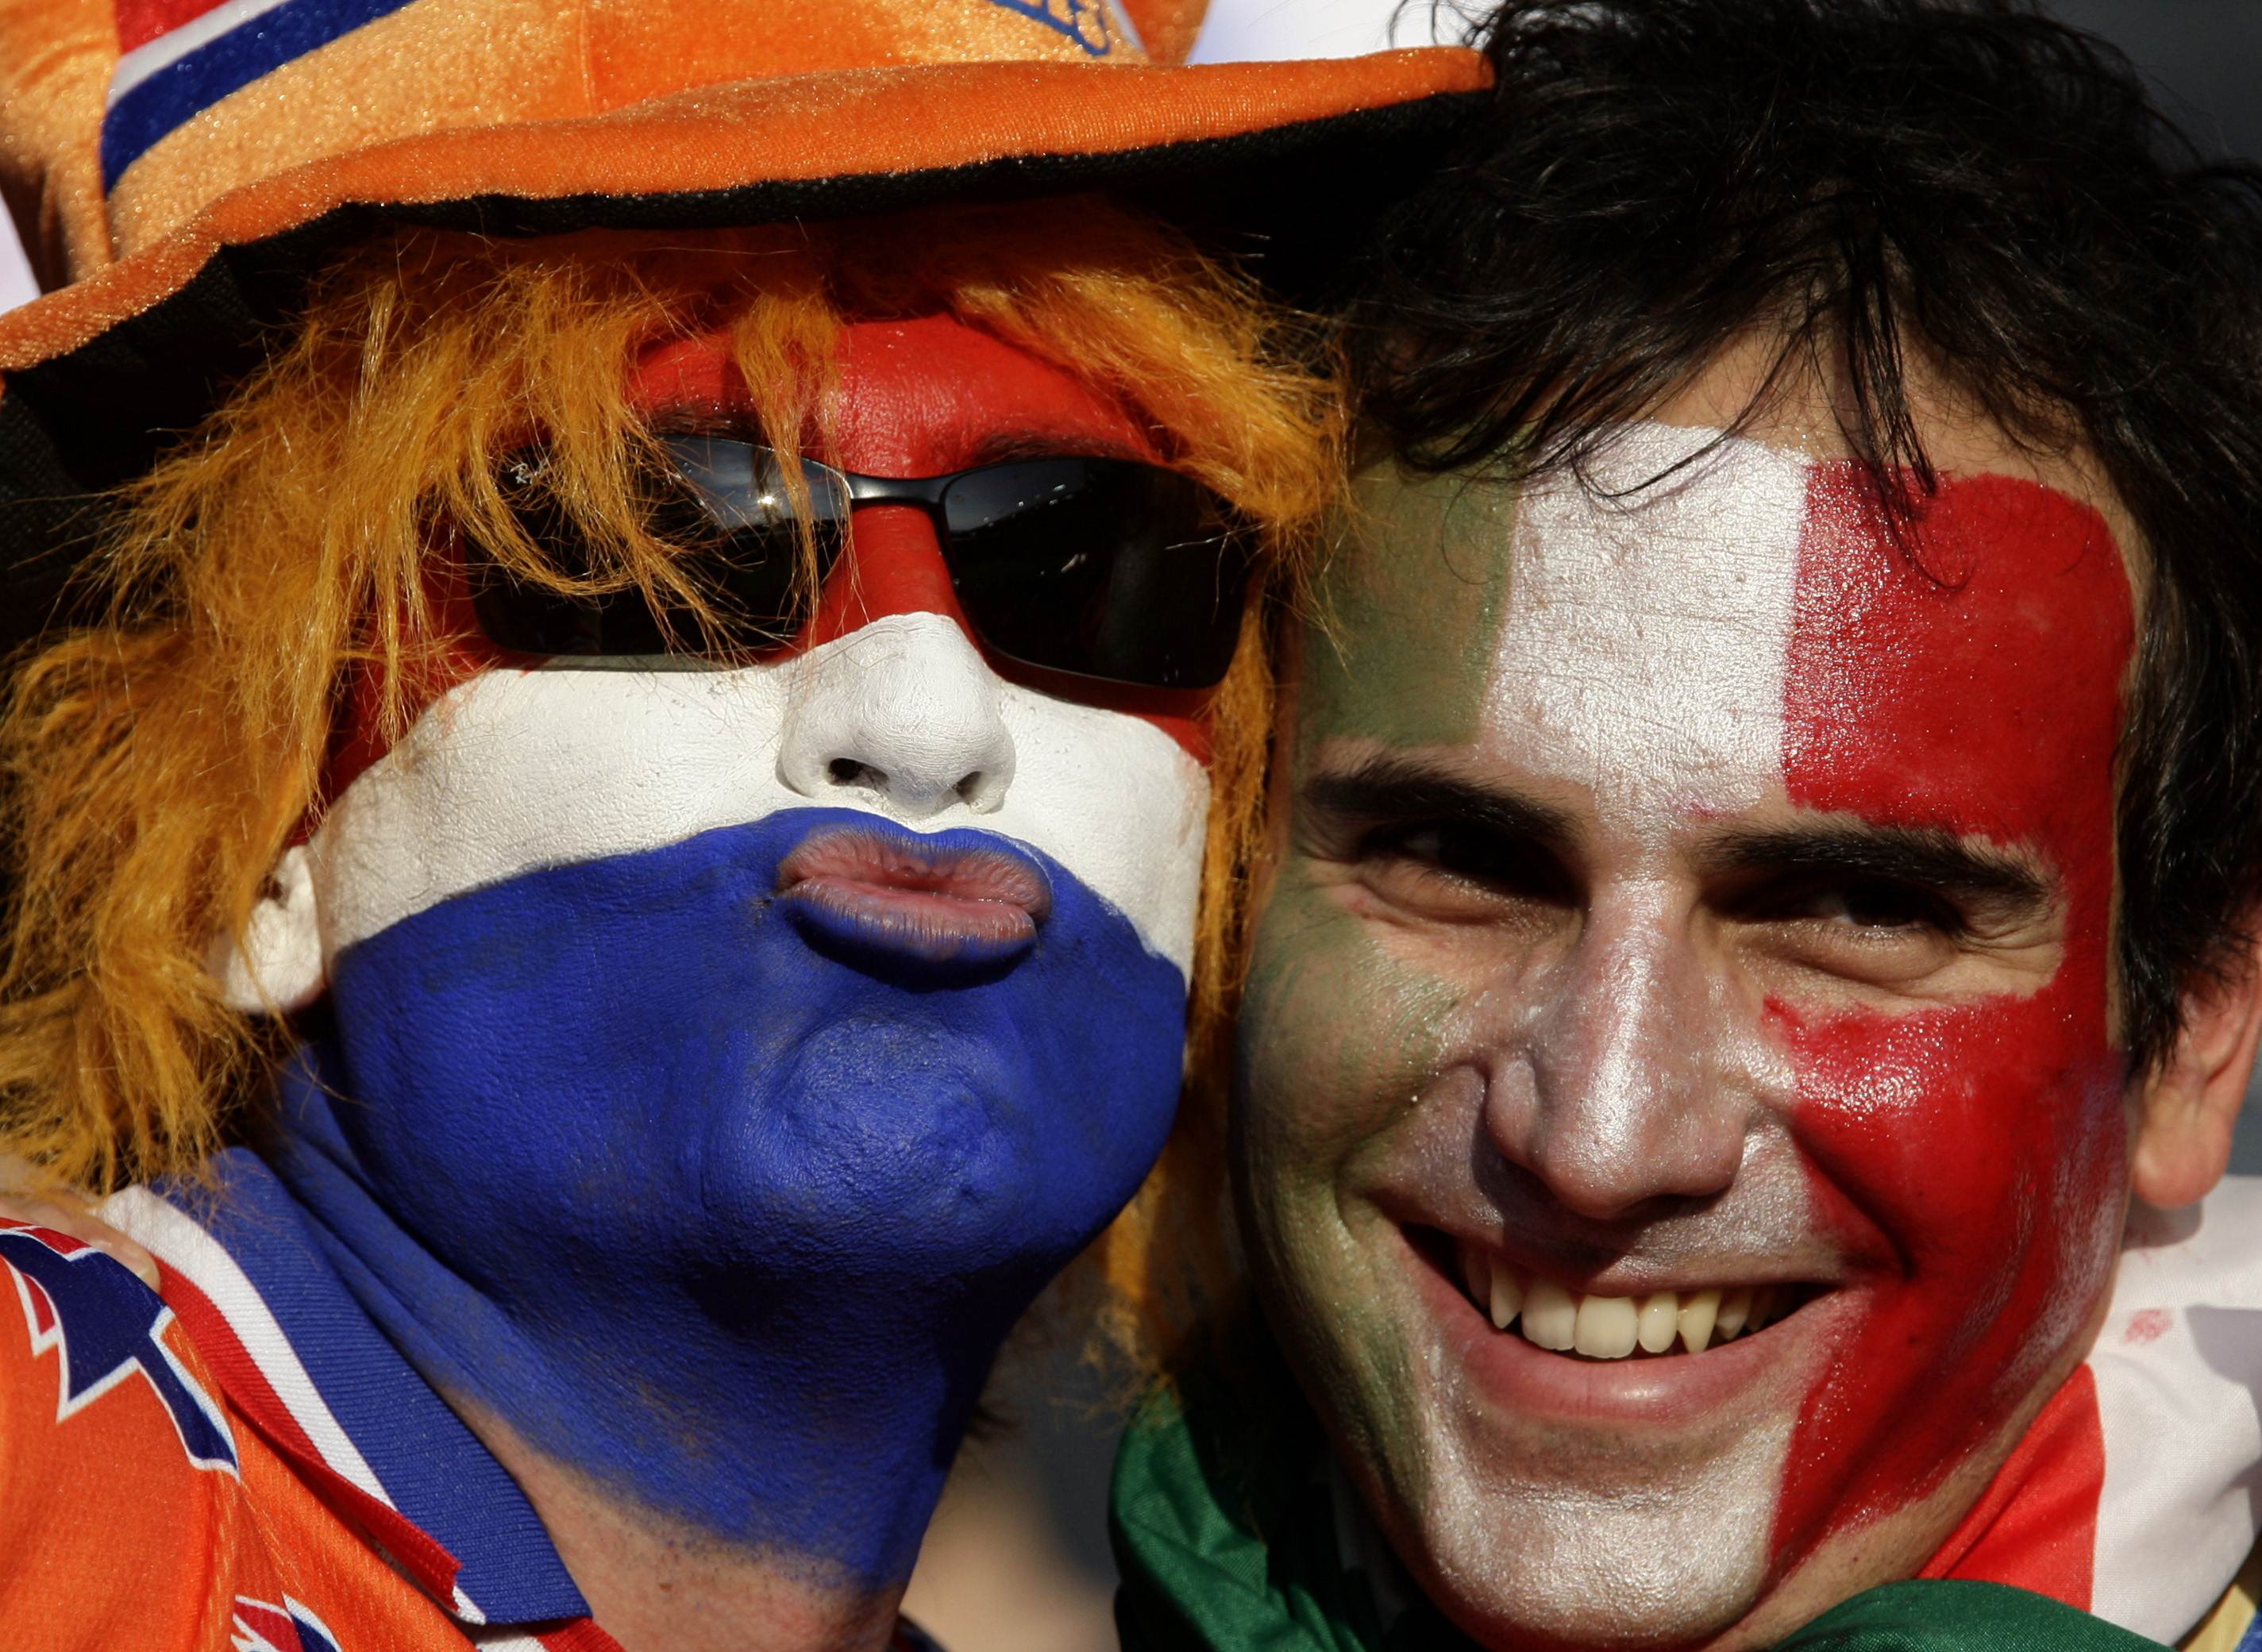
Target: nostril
903 717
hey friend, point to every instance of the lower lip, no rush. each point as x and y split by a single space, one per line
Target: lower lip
960 906
920 920
1671 1390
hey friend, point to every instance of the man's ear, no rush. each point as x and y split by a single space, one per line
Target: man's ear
278 966
2190 1106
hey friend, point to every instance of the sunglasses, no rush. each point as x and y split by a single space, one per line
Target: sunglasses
1105 569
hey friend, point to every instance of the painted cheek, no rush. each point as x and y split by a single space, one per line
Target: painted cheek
1975 1153
1332 1021
360 738
1337 1038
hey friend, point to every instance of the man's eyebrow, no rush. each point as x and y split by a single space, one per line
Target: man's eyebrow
1925 855
1407 789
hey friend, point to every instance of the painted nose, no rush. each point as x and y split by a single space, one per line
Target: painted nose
902 713
1630 1101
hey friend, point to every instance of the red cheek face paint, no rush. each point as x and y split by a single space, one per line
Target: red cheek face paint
1974 1156
919 396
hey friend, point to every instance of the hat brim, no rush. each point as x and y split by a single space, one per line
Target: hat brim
1286 157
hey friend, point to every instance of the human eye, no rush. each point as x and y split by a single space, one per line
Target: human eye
1876 904
1882 931
1456 870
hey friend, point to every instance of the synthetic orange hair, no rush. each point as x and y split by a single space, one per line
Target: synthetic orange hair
158 764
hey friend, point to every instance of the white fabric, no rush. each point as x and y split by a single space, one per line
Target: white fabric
182 1245
2177 1366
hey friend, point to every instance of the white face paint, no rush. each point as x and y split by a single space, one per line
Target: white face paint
842 995
513 770
1647 629
1723 914
1642 660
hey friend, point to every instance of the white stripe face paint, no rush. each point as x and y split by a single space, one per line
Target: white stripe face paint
1643 655
1639 668
513 770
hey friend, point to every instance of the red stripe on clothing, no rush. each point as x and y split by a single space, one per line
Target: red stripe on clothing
429 1563
2036 1527
142 21
60 1242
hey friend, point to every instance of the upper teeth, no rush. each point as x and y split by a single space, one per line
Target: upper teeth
1611 1327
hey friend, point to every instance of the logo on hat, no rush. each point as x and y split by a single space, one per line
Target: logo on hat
1089 22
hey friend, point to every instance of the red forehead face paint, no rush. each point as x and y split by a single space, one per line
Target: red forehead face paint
1975 1153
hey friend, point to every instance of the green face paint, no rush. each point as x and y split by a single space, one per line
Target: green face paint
1338 1029
1466 729
1409 613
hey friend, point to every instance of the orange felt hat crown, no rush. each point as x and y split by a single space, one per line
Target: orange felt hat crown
177 167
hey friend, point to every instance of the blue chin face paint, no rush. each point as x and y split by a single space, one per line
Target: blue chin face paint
727 1200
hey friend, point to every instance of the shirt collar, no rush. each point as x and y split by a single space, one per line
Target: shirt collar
335 1393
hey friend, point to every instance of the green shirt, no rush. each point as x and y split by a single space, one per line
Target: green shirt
1230 1537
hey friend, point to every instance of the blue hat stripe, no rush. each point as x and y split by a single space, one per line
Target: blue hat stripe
185 88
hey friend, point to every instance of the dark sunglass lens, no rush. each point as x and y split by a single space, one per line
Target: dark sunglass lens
530 618
731 505
1105 568
723 504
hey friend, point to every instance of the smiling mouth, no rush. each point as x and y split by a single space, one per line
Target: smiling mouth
900 894
1585 1324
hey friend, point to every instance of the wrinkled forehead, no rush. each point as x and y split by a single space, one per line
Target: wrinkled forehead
1701 626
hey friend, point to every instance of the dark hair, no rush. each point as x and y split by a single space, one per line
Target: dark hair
1881 183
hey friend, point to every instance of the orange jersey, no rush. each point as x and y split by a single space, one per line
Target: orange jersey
240 1462
156 1492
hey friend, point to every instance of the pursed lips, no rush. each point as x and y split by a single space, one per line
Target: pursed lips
901 893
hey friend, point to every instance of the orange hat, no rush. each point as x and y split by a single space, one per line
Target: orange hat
181 163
